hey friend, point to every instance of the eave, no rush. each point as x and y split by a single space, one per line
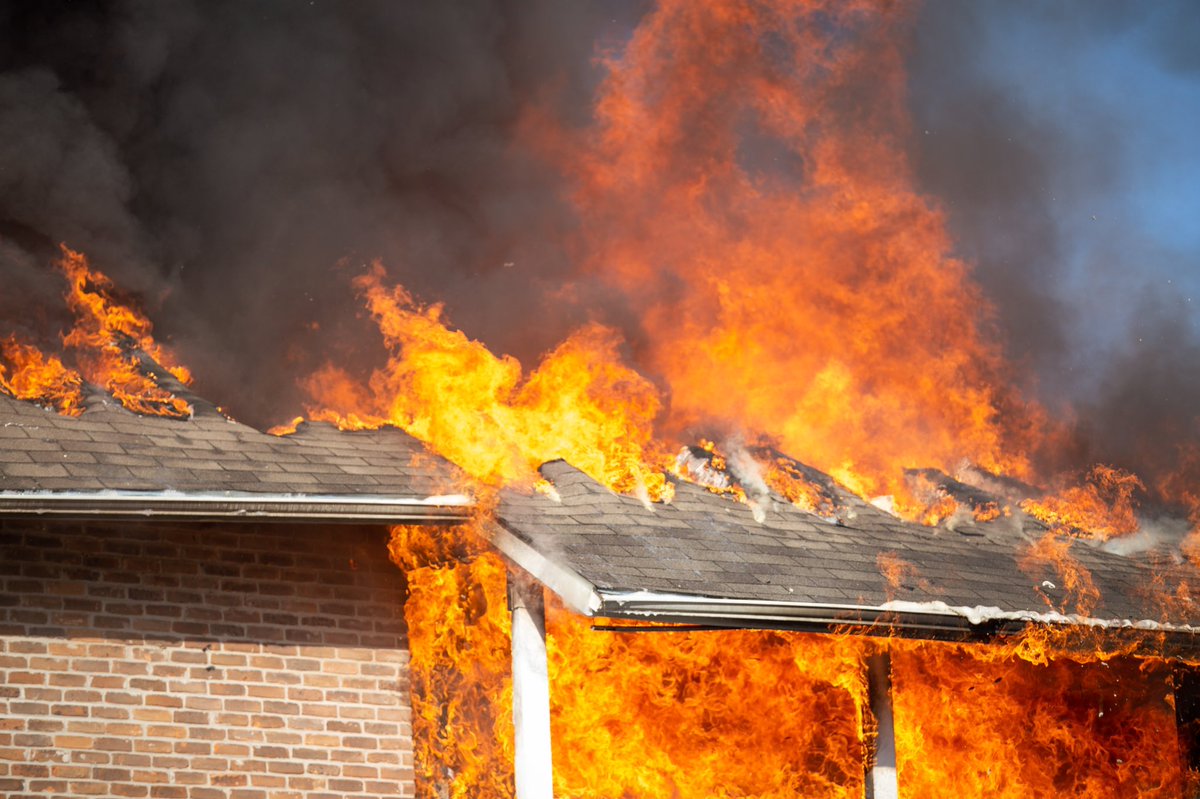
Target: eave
928 620
237 506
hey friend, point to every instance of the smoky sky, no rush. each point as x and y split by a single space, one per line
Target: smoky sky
1061 139
234 164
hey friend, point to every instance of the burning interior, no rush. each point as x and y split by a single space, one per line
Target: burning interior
776 517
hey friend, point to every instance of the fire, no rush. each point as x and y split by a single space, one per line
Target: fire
989 512
105 336
992 725
667 713
733 713
816 302
1104 506
484 414
786 478
105 344
933 503
1067 577
789 280
458 632
39 378
899 573
286 429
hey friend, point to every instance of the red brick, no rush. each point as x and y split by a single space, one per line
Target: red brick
197 717
25 678
73 742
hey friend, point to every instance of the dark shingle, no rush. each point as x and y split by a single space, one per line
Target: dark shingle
109 448
708 545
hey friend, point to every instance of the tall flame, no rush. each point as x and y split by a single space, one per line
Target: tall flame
483 413
746 187
458 633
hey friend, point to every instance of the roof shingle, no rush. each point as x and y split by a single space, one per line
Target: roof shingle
109 451
707 546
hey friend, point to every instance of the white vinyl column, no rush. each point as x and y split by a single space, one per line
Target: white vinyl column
531 689
881 778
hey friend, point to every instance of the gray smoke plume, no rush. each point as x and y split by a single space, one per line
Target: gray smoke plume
1032 161
233 164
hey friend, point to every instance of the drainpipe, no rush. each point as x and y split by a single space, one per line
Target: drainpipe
881 776
531 689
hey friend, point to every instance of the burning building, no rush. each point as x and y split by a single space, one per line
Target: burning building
196 608
771 505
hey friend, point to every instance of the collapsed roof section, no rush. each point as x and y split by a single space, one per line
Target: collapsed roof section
706 559
110 462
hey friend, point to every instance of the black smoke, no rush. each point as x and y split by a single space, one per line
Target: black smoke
233 164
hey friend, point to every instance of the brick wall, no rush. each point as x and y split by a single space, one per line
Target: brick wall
201 662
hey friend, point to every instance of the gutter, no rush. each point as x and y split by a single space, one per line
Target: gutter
800 616
237 506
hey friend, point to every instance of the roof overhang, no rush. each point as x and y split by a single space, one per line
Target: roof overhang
926 620
237 506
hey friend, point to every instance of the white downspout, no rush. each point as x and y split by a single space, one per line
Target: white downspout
531 689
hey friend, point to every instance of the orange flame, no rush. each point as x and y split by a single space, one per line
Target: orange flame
286 429
39 378
900 573
989 511
1065 584
1103 507
994 726
814 300
105 342
826 311
458 631
796 488
481 412
103 339
754 714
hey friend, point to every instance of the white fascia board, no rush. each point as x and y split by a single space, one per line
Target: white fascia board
443 500
579 594
237 505
650 604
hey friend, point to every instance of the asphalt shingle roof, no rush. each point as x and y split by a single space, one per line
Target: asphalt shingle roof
706 545
109 451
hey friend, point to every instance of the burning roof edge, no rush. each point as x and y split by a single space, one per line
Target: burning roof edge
235 506
933 620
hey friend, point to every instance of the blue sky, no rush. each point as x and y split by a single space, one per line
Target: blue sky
1064 140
